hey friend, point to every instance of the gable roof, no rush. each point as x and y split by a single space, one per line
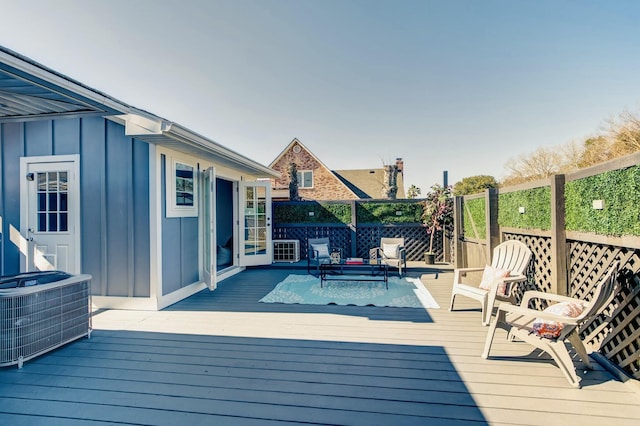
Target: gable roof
367 183
290 146
362 183
296 141
29 90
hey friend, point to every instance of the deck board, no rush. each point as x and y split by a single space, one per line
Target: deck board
223 358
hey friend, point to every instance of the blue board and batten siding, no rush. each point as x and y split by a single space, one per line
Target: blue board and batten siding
114 197
180 266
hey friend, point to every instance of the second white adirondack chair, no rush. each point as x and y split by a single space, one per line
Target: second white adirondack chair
511 255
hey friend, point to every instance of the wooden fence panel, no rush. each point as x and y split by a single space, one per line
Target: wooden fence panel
472 253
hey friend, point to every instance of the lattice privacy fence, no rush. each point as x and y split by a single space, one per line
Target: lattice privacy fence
364 236
539 271
416 240
585 239
339 235
615 333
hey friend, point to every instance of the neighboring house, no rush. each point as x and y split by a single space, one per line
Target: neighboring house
317 182
153 211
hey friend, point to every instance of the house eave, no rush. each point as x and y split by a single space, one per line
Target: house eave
26 69
157 131
70 98
192 139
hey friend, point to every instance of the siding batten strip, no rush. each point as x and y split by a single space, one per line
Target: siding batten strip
130 221
103 216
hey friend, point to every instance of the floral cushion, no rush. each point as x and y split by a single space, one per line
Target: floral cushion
552 329
322 249
391 250
491 275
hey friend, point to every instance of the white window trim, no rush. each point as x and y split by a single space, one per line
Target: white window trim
172 209
301 181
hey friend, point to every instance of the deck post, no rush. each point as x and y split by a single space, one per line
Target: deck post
354 229
493 230
559 272
458 232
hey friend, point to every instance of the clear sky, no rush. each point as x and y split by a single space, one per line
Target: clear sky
449 85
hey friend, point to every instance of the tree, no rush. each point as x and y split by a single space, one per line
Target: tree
413 192
293 182
621 137
596 150
438 211
390 183
625 133
541 163
474 184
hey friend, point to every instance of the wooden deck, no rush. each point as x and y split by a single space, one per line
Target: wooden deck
223 358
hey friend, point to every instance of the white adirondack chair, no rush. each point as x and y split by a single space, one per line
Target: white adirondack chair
519 320
511 255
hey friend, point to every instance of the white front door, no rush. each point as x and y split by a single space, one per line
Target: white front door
255 223
50 213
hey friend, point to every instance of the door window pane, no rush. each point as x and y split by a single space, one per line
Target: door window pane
42 222
63 202
64 226
42 201
62 179
52 200
53 181
42 182
53 222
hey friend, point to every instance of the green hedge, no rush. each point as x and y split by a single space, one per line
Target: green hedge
387 213
287 212
537 204
475 212
620 190
340 212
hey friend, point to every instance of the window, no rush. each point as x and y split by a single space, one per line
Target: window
305 179
182 185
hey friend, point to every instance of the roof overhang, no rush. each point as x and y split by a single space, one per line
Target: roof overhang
157 131
31 91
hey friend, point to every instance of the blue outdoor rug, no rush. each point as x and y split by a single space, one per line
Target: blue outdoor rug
305 289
